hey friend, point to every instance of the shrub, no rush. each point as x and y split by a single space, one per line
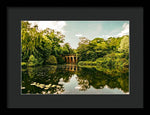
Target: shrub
23 64
87 63
32 61
40 61
60 60
51 60
80 63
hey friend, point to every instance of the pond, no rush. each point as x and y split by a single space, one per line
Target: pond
71 79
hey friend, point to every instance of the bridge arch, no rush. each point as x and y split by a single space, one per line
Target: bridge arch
71 59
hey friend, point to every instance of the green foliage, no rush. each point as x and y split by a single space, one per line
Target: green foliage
96 41
51 60
60 60
91 55
87 63
23 64
32 61
114 43
67 50
110 56
124 45
41 44
114 62
44 48
98 47
81 52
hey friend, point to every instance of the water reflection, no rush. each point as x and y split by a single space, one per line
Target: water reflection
70 79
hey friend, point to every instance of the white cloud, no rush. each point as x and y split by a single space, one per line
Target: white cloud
56 25
78 35
125 30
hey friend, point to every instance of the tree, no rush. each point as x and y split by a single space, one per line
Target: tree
101 49
56 38
51 60
83 48
91 55
44 49
83 41
91 50
113 43
124 45
40 44
32 61
67 50
96 40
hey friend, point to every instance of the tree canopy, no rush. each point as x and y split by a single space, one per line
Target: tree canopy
42 43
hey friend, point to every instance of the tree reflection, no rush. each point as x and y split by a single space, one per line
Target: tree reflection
46 79
84 84
99 79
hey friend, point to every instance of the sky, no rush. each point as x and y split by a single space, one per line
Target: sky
73 30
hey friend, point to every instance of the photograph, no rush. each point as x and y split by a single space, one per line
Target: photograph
75 57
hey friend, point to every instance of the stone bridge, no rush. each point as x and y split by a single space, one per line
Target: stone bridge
71 59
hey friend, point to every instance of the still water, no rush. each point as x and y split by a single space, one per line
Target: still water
71 79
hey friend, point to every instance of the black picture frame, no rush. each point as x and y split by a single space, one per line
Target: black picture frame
12 16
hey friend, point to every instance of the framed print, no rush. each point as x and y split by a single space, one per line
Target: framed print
74 57
64 61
